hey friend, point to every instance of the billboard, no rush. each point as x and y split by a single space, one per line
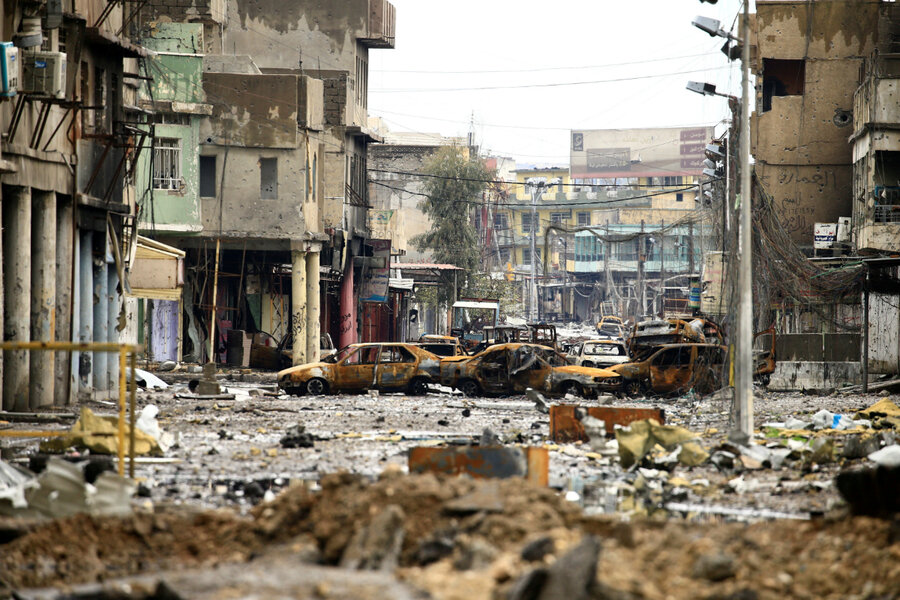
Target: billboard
661 152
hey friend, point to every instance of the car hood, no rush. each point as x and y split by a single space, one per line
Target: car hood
586 371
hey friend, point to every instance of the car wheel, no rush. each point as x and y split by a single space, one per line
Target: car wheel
418 387
633 387
764 380
316 386
571 387
470 388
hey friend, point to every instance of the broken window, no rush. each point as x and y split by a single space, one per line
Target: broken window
396 354
268 178
100 98
208 176
887 186
782 78
167 164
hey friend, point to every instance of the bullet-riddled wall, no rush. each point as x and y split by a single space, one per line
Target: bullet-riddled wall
807 58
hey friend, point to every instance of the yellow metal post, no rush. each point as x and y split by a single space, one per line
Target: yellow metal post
133 400
121 436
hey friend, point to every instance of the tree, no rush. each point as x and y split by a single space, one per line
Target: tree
453 185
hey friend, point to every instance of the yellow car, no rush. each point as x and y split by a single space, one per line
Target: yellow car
389 367
512 368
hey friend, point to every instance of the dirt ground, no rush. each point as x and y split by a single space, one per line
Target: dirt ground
208 507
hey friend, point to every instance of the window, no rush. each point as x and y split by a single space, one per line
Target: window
584 218
526 222
87 116
397 354
526 255
504 255
501 221
559 217
679 197
362 75
268 178
208 176
167 164
782 78
100 98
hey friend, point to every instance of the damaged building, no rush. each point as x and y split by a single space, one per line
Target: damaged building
271 207
69 150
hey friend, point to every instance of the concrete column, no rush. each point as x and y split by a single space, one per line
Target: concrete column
114 303
43 296
347 332
313 310
65 253
17 289
86 310
101 324
298 305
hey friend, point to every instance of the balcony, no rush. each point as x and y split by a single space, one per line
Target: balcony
382 25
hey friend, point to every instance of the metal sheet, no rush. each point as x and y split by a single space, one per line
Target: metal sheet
483 462
564 427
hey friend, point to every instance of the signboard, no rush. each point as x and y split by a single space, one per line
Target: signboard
824 235
661 152
377 279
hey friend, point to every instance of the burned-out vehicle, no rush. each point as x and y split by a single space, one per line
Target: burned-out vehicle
676 368
598 353
764 355
656 332
442 345
389 367
506 369
611 327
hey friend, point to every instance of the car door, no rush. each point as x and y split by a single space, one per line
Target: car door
528 370
670 369
396 367
356 372
492 371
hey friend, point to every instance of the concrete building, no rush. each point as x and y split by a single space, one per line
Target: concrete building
281 167
67 174
807 57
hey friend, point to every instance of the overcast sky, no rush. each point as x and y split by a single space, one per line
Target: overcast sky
648 48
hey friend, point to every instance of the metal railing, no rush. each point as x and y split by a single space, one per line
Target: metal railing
123 351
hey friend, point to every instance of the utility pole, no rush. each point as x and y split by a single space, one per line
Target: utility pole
536 191
662 268
743 418
641 292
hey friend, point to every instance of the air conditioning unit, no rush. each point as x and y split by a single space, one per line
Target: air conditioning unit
843 230
44 73
9 69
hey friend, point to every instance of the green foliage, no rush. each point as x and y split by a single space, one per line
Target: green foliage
453 188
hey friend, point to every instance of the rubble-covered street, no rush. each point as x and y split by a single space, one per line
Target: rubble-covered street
275 481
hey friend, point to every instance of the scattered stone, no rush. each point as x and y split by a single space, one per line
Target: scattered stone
377 546
433 550
254 491
143 491
538 549
168 365
822 450
574 574
489 438
255 393
859 446
297 437
540 403
466 412
474 554
443 422
715 567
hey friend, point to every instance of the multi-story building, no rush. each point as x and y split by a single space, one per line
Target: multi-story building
276 190
620 225
807 57
67 172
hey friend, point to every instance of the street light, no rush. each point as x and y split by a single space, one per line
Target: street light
743 417
707 89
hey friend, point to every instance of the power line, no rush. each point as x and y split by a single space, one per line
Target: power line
500 181
541 69
547 85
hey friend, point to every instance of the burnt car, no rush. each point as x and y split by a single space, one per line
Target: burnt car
764 355
656 332
676 368
389 367
442 345
506 369
599 353
611 327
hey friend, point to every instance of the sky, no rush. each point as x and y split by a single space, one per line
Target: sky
553 66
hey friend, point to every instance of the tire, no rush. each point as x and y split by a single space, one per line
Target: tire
417 387
316 386
571 387
469 388
764 380
633 387
293 391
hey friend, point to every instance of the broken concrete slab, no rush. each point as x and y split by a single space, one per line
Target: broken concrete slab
573 576
376 547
